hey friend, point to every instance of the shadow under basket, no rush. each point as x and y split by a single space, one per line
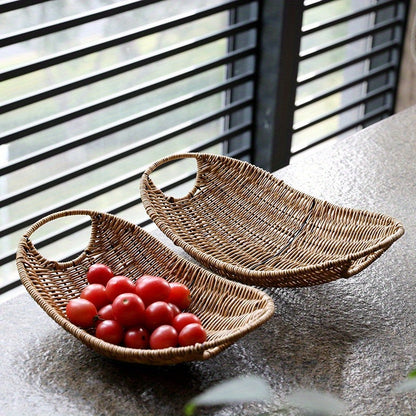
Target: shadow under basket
245 224
228 310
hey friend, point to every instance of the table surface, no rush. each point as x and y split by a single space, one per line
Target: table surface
353 338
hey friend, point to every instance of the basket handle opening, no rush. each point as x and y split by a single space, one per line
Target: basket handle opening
187 168
45 245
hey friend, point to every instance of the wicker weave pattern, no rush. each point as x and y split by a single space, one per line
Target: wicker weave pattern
245 224
228 310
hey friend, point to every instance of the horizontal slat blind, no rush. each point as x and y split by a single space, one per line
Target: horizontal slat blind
7 6
91 97
340 77
93 92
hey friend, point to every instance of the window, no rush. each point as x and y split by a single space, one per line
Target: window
337 64
93 92
348 68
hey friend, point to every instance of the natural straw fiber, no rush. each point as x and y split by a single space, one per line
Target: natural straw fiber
245 224
228 310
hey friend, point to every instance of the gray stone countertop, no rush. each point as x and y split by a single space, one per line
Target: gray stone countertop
353 338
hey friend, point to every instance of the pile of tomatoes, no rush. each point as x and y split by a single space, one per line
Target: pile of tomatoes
148 313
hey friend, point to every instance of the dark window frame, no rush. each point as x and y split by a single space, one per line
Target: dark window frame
264 40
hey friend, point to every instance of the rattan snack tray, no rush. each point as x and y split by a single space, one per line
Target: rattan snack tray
228 310
245 224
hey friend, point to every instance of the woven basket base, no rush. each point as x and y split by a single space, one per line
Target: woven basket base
245 224
228 310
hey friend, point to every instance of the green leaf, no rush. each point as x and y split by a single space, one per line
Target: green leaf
316 403
189 409
236 390
412 373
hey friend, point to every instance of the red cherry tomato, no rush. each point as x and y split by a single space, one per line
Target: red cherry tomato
99 273
183 319
192 334
106 312
137 337
129 309
96 294
110 331
180 295
157 314
152 289
118 285
81 312
164 336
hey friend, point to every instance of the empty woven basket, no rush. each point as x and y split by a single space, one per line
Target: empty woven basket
228 310
247 225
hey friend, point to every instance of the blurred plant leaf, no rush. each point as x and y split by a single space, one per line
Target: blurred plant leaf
409 384
236 390
314 402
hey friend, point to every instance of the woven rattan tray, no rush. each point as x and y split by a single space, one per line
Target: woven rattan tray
245 224
228 310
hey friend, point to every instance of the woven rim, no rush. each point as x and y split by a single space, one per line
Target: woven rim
176 264
344 266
